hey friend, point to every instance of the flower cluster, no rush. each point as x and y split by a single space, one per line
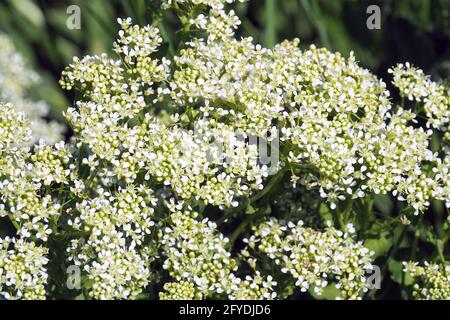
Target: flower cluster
431 281
215 4
182 290
190 161
414 84
345 137
197 253
114 256
315 258
341 123
23 175
235 80
22 270
14 132
254 287
16 78
218 24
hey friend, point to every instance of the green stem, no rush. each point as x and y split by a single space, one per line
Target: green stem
337 219
315 16
241 228
440 250
271 37
13 221
347 211
166 37
391 254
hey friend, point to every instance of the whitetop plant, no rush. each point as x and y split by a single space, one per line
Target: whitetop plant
159 142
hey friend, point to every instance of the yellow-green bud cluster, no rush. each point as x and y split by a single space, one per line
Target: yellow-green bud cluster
22 270
182 290
195 253
431 281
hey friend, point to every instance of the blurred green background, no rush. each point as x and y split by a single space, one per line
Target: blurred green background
411 30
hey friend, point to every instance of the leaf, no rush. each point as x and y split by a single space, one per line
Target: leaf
383 203
397 274
80 297
396 270
30 11
87 283
330 292
250 209
380 245
271 34
325 212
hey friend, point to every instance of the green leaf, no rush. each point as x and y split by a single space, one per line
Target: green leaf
396 269
330 292
271 35
30 11
87 283
383 203
80 297
250 209
380 245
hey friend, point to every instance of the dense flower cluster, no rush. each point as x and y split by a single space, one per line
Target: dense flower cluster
193 162
15 80
342 123
346 138
22 270
24 198
182 290
416 86
431 281
23 176
315 258
197 253
114 256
